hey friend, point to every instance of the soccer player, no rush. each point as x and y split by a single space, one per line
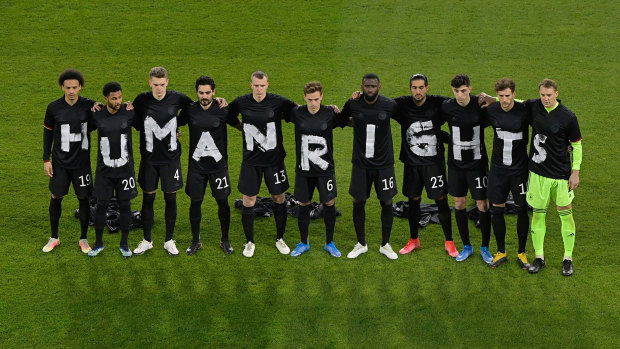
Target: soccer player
552 173
467 163
422 152
208 160
373 161
510 120
67 140
263 155
314 124
156 113
115 173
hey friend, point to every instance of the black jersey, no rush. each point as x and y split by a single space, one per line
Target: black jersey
70 141
372 134
115 156
208 137
314 140
157 122
551 135
262 127
466 149
420 126
511 133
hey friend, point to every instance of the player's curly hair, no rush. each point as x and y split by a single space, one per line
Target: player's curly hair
505 83
313 86
460 80
205 80
71 74
110 87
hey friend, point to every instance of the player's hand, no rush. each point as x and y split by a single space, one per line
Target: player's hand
221 102
129 105
570 148
96 107
484 100
335 108
573 181
178 133
47 167
356 95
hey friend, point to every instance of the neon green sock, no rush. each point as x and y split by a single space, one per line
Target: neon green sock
568 231
539 229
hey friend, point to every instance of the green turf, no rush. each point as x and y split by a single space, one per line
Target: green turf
64 299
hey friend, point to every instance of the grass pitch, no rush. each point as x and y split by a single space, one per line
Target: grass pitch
64 299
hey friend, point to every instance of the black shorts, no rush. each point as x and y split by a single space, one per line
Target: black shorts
325 185
500 184
250 178
197 184
474 179
362 179
171 176
63 177
124 187
431 177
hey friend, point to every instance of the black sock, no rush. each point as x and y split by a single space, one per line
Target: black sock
125 221
359 221
55 212
485 228
329 216
247 220
387 218
463 225
195 216
100 221
223 213
303 221
499 227
414 217
171 214
147 215
445 218
84 217
523 224
279 213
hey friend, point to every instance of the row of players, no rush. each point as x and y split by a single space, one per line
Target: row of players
158 113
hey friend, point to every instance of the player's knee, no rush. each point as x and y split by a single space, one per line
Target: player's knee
359 203
416 198
221 202
170 196
124 203
57 197
521 209
460 203
562 208
330 202
483 205
386 203
278 198
496 210
249 201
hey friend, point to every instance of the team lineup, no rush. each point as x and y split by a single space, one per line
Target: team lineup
550 171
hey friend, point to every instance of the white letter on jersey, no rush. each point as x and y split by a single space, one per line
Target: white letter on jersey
152 128
66 137
459 145
308 155
265 142
508 137
105 152
541 152
206 147
370 141
425 145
